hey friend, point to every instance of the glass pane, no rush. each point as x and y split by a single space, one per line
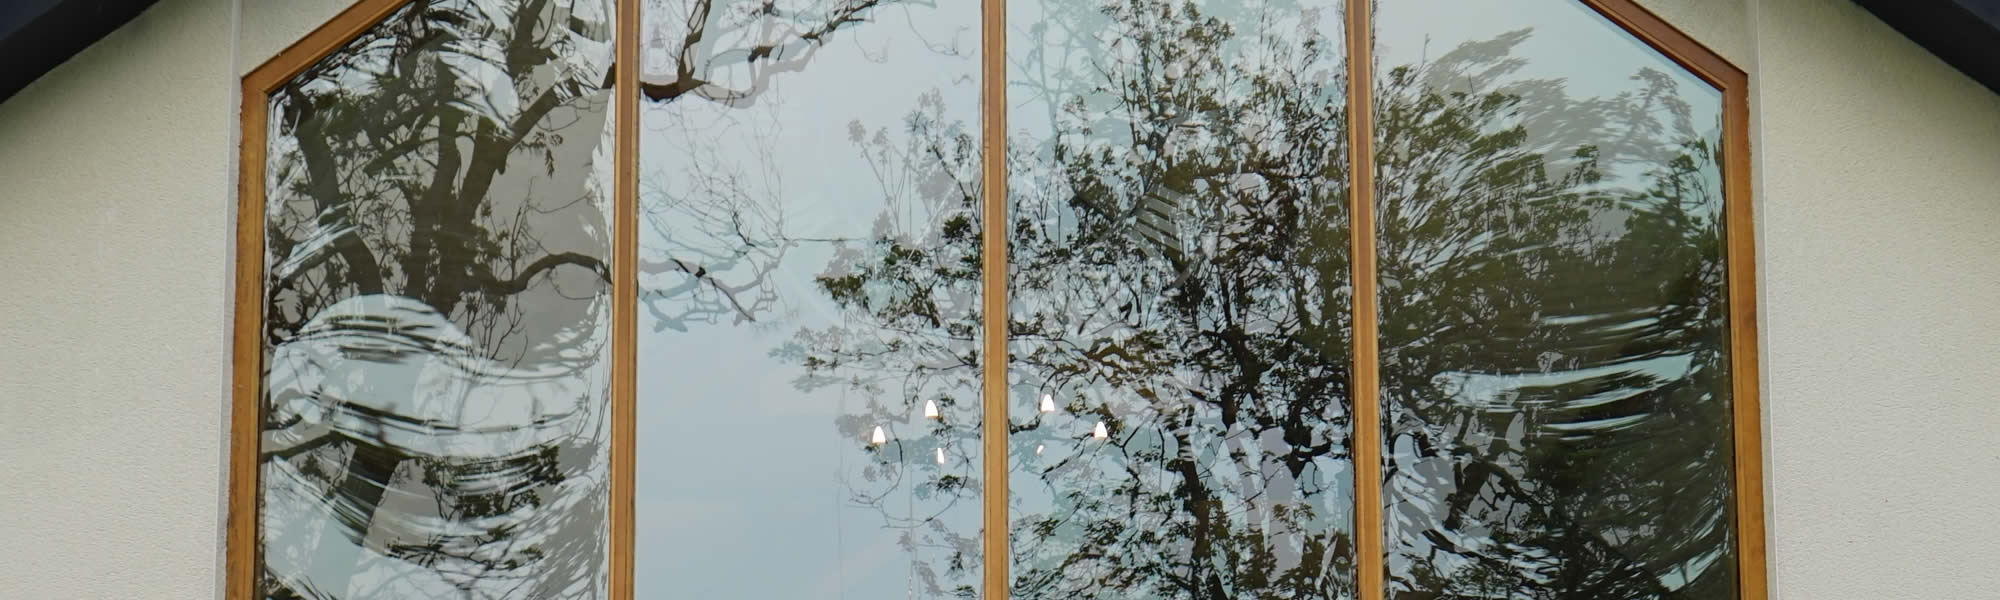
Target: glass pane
437 315
1179 300
1554 374
809 411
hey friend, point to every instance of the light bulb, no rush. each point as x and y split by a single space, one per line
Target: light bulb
1100 432
879 437
930 409
940 455
1038 448
1048 403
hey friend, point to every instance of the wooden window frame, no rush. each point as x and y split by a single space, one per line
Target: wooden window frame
1739 230
1740 260
241 553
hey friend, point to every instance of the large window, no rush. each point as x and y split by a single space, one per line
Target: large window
809 299
1035 299
433 414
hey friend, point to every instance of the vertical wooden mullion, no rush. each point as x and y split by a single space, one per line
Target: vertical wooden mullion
624 297
994 319
1366 391
1748 420
246 401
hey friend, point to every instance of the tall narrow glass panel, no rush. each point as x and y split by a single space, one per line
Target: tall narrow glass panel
808 373
1180 300
436 315
1554 372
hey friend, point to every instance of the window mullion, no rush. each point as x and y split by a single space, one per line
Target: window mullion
1365 392
625 300
993 294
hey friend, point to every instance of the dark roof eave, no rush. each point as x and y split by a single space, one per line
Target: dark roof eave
38 35
1965 33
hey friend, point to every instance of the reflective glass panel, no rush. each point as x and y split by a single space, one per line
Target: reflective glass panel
436 318
808 389
1555 367
1180 300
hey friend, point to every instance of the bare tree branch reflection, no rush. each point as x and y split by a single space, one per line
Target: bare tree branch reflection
436 315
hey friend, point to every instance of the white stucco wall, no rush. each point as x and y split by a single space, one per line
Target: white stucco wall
269 26
114 170
1878 203
1881 246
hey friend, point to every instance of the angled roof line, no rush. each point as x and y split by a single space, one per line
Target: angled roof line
38 35
1965 33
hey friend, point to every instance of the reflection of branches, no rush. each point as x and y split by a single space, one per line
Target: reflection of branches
1128 260
418 300
727 292
1545 262
771 41
436 99
1206 229
718 240
1179 273
521 279
711 232
722 229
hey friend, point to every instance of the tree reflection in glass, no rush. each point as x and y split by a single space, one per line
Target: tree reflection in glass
1179 296
436 317
809 412
1180 301
1554 351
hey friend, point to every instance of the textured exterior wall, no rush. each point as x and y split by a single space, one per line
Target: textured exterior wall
270 26
114 173
1881 245
1878 199
1725 26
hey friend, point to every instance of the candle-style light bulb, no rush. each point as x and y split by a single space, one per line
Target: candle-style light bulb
1048 403
940 455
930 409
879 437
1038 448
1100 432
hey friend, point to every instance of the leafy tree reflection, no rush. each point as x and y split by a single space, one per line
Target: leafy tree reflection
1554 364
1179 274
